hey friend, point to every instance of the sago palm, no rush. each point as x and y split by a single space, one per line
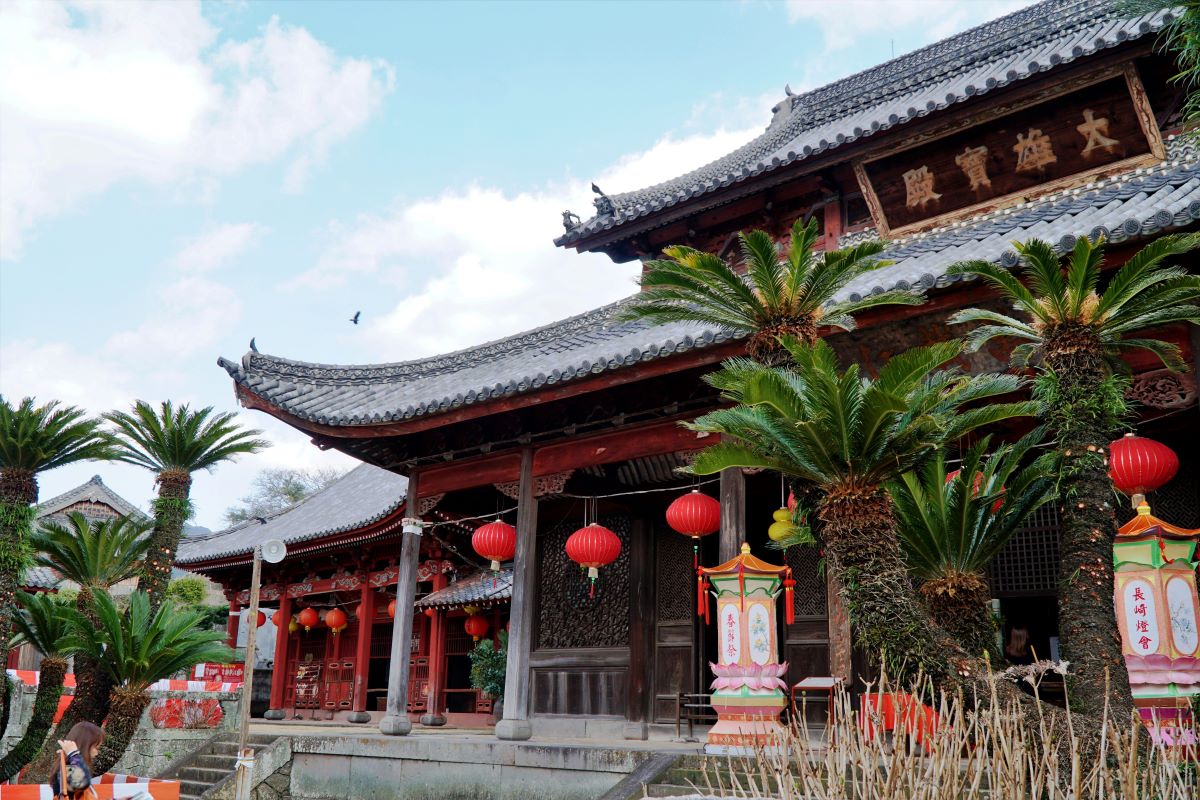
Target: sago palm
849 435
173 442
33 439
42 624
96 556
781 294
1073 331
952 523
136 649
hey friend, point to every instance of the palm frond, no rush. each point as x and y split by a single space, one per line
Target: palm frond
42 438
177 438
95 554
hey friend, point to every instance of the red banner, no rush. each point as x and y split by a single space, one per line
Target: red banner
227 673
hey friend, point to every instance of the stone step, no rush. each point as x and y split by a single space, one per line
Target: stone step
671 790
215 761
193 788
201 775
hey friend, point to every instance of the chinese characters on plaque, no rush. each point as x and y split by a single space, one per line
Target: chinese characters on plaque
1077 132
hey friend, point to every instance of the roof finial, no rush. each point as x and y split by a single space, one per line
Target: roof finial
253 347
570 221
745 548
603 203
787 90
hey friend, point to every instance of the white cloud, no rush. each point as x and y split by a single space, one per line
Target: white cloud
492 264
93 94
846 22
187 318
217 246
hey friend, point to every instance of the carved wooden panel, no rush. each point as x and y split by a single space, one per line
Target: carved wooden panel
809 595
1008 156
673 576
567 615
593 692
1162 388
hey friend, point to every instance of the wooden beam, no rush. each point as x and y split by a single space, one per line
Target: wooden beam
469 473
515 724
635 441
733 513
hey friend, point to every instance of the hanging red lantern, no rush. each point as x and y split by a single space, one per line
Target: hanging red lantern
309 618
495 541
695 515
261 620
335 620
1137 465
477 626
392 609
975 487
593 546
277 618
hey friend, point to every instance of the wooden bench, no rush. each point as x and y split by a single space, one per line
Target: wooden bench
693 708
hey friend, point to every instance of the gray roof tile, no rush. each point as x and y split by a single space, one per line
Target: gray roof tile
94 491
359 498
1129 205
951 71
481 588
40 578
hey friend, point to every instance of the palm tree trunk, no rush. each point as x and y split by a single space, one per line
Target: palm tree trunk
45 704
1087 623
863 550
959 605
18 507
93 687
127 705
170 512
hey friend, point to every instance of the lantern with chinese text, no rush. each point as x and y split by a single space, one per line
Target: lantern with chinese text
261 619
335 620
695 515
1137 465
309 618
593 546
1157 612
748 692
495 541
392 609
476 625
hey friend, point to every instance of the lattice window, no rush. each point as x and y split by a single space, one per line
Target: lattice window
1028 564
567 615
674 578
1179 501
810 599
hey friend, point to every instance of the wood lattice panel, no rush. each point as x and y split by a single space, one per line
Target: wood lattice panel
1028 564
567 615
810 599
674 577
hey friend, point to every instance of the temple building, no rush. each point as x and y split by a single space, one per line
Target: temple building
1058 121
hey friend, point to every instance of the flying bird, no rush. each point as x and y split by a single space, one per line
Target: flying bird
354 319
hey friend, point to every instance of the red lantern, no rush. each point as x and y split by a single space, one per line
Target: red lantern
277 617
477 626
593 547
975 487
335 619
495 541
309 618
695 515
1138 465
261 619
392 609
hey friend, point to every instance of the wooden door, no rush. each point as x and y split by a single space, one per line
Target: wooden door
674 649
806 641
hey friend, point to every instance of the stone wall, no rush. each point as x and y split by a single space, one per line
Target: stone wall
452 768
152 748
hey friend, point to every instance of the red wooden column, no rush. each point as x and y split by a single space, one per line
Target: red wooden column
279 672
437 660
231 627
362 653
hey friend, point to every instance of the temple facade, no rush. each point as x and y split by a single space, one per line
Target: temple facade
1056 122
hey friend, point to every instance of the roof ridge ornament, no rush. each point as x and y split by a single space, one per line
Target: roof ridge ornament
603 203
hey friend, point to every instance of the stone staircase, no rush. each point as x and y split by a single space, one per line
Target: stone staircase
691 776
211 764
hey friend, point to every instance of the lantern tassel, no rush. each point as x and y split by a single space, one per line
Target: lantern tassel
701 600
592 589
695 553
788 587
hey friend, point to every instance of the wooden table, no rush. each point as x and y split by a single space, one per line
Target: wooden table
818 683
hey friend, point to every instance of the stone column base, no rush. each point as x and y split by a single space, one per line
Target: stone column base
433 720
514 730
395 726
358 716
274 713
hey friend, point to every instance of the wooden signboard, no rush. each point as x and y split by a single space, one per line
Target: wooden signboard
1101 127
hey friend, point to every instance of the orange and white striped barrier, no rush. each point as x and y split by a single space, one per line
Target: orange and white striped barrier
106 787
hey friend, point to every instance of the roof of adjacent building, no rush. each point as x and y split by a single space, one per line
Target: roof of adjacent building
94 491
360 498
40 578
482 588
1126 206
996 54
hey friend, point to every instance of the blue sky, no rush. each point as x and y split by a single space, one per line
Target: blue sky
177 177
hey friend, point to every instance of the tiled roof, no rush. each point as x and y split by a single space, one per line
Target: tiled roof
996 54
358 499
40 578
481 588
1130 205
94 491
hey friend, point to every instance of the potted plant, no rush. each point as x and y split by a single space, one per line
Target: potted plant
488 663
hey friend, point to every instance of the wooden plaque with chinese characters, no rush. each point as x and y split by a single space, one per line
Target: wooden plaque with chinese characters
995 162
